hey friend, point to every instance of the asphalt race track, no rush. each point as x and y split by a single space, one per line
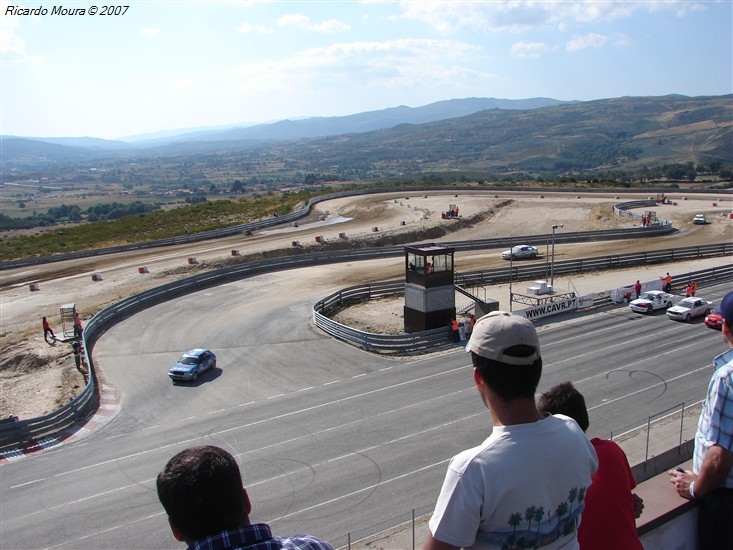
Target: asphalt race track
332 440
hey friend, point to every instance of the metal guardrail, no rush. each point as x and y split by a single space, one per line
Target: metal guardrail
521 272
401 343
439 337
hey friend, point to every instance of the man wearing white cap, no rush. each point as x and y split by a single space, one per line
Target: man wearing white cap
524 486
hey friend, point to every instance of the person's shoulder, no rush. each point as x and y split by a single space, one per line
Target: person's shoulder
561 421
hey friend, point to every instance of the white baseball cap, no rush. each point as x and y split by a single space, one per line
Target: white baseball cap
497 331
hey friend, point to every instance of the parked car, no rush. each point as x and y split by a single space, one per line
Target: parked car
699 219
714 321
651 300
687 308
191 364
520 251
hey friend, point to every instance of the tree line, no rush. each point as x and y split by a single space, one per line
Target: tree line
74 214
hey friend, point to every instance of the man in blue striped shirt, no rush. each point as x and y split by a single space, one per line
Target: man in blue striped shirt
711 479
208 507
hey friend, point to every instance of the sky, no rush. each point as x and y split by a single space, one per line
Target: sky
164 65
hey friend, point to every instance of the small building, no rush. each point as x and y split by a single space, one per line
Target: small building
430 300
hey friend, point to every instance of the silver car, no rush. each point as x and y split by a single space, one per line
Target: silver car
688 308
519 252
191 364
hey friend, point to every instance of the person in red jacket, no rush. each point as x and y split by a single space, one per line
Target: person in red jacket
47 330
454 328
608 521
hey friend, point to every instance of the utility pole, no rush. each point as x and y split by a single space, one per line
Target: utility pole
552 263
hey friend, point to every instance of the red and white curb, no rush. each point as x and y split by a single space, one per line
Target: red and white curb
109 407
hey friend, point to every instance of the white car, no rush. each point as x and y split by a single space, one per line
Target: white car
699 219
688 308
651 301
520 251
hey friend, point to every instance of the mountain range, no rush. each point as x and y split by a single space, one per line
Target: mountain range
485 134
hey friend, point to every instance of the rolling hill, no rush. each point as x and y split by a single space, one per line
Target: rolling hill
541 137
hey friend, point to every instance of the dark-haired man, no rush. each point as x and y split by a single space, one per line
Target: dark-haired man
208 507
608 520
524 486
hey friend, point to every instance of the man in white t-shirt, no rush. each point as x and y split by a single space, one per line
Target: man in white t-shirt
525 485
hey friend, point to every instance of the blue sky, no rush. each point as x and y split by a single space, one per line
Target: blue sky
185 64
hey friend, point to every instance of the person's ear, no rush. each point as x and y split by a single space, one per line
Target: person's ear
176 533
727 331
477 379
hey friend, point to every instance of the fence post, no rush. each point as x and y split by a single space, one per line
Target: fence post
648 429
413 529
682 419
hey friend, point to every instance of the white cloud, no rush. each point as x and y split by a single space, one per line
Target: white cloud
303 22
529 50
403 63
331 26
149 32
591 40
12 46
523 15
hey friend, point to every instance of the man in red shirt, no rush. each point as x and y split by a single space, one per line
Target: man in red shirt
47 330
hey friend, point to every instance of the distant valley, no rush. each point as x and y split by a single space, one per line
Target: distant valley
537 138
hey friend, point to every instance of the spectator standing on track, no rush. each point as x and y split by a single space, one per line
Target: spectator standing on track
454 328
666 282
524 485
608 520
711 479
47 330
78 329
637 289
208 507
